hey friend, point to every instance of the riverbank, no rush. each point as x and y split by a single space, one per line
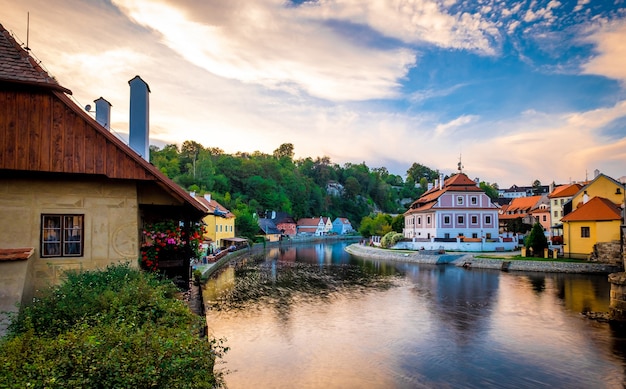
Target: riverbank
468 260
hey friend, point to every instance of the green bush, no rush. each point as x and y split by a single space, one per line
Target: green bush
390 239
114 328
536 240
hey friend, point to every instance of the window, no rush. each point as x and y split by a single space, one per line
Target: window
487 219
446 235
556 213
460 219
545 218
459 200
584 232
555 201
474 235
488 235
427 220
474 219
561 201
474 200
419 221
446 219
61 235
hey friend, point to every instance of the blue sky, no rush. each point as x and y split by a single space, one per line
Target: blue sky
523 90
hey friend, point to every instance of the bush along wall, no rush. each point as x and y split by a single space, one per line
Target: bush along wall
119 327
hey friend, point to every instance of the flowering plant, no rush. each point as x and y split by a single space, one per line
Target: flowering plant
167 239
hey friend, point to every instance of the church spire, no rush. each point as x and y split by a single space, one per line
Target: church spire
460 164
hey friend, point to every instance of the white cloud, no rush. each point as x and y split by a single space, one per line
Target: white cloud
610 48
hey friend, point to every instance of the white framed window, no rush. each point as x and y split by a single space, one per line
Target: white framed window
460 219
474 200
62 235
459 200
446 220
474 219
487 219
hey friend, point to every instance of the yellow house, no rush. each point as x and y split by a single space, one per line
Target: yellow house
220 222
600 186
595 221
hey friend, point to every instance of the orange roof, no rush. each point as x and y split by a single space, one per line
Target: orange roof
596 209
523 204
457 183
567 190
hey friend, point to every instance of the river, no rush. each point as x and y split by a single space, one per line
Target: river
436 326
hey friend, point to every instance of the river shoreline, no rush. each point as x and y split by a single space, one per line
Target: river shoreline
468 260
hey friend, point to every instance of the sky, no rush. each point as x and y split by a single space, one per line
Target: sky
518 90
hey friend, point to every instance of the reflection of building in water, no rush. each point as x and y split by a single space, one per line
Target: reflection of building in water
215 286
583 293
467 294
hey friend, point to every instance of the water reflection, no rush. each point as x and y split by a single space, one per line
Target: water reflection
441 326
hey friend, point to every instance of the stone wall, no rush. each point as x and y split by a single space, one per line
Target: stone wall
607 252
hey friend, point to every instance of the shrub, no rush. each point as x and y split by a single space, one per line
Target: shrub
390 239
114 328
536 240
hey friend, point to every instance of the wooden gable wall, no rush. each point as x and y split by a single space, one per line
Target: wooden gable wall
40 131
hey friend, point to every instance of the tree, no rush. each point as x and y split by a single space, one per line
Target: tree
418 171
536 187
491 190
284 151
398 223
537 240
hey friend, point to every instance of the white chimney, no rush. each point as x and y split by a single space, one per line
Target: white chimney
103 112
430 185
273 215
139 117
585 197
192 194
596 173
207 197
440 181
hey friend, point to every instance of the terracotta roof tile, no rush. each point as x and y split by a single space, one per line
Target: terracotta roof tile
567 190
596 209
17 66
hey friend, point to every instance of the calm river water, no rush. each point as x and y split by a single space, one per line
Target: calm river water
437 327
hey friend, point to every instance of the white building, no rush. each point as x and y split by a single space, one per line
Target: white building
456 207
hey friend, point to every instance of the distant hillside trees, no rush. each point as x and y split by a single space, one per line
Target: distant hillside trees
255 183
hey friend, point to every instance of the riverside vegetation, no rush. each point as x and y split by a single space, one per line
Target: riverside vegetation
255 183
114 328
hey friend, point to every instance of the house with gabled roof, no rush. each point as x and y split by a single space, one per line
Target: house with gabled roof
561 195
72 195
219 221
588 221
519 208
342 226
455 207
285 223
595 221
311 226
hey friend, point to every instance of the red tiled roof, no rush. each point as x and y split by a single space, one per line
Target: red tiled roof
20 254
523 204
596 209
567 190
308 221
457 183
17 66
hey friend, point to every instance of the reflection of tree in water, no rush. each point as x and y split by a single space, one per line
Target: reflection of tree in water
461 298
538 283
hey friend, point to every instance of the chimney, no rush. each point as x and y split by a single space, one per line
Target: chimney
440 181
273 215
430 185
207 197
436 182
103 112
192 194
585 197
139 117
596 173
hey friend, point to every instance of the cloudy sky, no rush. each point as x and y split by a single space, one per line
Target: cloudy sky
523 90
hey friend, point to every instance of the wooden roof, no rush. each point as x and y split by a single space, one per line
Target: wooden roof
42 130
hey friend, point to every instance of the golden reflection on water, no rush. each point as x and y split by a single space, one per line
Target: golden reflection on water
414 334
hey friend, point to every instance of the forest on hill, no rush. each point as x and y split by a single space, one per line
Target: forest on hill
250 184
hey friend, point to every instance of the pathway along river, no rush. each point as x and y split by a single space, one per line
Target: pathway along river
408 325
